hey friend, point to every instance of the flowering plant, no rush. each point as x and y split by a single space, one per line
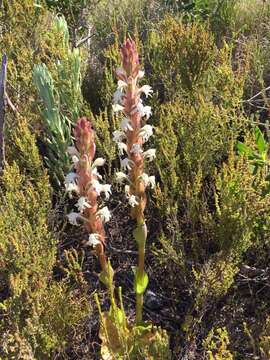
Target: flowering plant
130 140
84 181
119 338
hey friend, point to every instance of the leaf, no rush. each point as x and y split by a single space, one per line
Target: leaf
140 282
140 234
243 149
261 144
106 276
112 336
120 316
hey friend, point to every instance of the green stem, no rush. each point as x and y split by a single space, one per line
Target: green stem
139 297
139 308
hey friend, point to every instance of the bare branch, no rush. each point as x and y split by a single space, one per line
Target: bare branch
10 104
82 41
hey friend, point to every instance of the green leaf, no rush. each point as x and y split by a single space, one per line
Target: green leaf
117 315
140 234
141 282
106 276
261 144
243 149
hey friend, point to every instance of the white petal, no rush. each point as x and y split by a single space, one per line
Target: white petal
146 89
117 107
97 186
98 162
147 112
140 74
82 204
120 176
75 159
70 178
125 164
132 201
152 181
93 240
104 214
118 136
150 154
117 97
125 125
73 217
145 132
145 178
107 190
72 187
144 110
95 172
122 147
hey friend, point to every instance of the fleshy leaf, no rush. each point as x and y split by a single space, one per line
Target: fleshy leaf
140 282
107 275
140 234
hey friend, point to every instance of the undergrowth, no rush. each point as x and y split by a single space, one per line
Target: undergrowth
208 248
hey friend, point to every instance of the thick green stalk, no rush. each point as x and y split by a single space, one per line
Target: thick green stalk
141 278
139 297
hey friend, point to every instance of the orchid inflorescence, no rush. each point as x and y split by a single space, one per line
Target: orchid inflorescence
84 180
118 337
130 139
132 135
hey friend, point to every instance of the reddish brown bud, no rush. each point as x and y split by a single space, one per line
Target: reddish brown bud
84 137
130 58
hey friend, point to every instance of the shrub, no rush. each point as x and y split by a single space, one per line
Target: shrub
39 313
216 345
180 55
62 101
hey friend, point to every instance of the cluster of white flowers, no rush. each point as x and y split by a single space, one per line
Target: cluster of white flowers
83 203
119 136
93 240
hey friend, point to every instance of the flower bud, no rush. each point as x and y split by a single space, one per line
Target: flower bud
84 137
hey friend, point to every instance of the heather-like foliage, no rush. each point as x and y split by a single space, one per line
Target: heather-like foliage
195 285
38 312
172 46
217 343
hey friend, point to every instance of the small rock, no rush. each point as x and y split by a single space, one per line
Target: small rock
152 300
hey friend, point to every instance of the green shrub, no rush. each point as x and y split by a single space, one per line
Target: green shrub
180 55
206 197
38 312
216 345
